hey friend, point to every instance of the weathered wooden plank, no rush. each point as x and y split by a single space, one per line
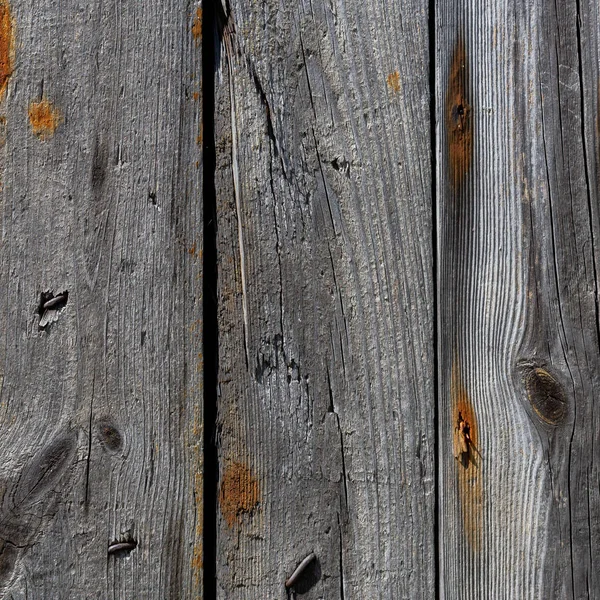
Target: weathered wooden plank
100 410
516 103
325 301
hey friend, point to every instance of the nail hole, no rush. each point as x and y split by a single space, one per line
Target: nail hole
50 305
121 549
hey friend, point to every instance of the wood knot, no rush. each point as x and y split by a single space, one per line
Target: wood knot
546 395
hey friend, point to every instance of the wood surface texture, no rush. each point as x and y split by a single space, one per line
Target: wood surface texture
101 409
393 239
326 315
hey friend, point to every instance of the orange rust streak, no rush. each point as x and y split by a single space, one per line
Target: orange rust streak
467 466
238 494
6 45
44 118
458 118
197 26
393 81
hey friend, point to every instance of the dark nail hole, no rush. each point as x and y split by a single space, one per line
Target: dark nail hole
152 197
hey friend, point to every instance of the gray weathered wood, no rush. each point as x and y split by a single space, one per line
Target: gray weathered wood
517 101
101 411
326 301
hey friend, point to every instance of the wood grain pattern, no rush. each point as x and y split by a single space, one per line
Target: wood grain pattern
325 301
100 410
518 297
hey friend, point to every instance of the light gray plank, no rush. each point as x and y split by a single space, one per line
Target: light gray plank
516 104
326 301
100 412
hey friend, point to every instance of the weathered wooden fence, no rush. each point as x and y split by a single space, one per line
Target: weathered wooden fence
284 279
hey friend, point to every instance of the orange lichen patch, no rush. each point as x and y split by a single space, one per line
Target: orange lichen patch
197 25
44 118
238 494
6 45
393 81
458 118
196 96
468 458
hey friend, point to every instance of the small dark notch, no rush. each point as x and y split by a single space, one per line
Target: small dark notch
108 435
152 197
546 395
341 165
99 165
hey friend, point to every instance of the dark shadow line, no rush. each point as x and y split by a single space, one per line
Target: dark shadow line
435 272
210 328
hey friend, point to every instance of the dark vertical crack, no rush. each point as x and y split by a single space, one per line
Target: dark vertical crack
341 558
587 168
434 250
210 330
88 460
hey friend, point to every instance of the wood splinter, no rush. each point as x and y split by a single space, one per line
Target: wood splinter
299 569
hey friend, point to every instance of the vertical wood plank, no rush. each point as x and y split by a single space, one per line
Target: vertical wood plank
326 301
517 88
100 410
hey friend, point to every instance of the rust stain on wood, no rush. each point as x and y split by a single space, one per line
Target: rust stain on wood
198 552
393 81
197 562
239 493
44 118
546 395
458 117
468 459
6 45
197 25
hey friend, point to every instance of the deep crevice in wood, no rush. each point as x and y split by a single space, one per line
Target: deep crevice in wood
434 251
210 333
